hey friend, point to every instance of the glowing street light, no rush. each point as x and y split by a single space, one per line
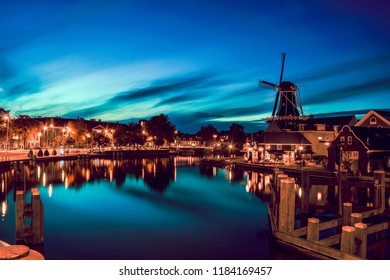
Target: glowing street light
6 117
39 138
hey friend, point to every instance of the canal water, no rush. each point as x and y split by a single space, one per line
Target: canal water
141 209
163 208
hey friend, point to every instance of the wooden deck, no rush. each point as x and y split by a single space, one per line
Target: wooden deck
350 231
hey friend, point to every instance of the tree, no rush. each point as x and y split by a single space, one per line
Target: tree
161 129
24 127
136 136
121 135
3 122
237 135
208 133
78 130
100 138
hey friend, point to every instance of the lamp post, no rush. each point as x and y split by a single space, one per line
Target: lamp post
45 133
39 139
88 136
51 135
6 117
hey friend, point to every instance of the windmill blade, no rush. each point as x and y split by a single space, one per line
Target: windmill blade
281 72
276 103
268 83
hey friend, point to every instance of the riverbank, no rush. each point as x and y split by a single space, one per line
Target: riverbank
9 157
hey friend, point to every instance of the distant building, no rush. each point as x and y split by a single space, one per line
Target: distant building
375 118
283 146
361 150
321 131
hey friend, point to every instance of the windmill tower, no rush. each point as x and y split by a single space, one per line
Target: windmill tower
287 110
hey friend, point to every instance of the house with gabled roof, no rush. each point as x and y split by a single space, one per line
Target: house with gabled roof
322 131
283 146
360 150
375 118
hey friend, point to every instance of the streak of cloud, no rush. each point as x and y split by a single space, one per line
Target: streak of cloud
342 93
345 67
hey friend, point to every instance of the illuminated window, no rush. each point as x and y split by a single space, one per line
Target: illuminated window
342 139
321 127
373 120
349 140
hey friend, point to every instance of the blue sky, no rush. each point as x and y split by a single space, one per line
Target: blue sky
199 62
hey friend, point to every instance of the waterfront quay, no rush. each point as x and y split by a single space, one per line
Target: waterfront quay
7 158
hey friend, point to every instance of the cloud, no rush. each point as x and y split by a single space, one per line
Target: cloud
360 89
162 87
173 89
345 68
176 99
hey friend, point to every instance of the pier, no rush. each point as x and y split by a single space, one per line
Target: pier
345 237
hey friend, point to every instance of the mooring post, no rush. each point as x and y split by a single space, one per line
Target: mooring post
347 211
287 205
356 218
348 240
19 208
361 239
279 179
313 229
37 217
379 189
305 185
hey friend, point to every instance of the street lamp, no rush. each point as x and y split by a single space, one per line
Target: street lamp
39 138
6 117
230 149
88 136
45 133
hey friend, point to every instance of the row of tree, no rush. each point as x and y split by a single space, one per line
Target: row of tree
79 132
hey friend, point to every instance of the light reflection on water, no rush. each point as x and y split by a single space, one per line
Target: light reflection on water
142 209
167 208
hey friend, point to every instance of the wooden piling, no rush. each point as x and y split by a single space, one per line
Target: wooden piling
348 240
356 218
361 240
379 189
279 179
347 211
305 185
37 217
19 208
286 219
313 229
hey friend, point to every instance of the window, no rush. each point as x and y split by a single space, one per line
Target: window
342 139
279 147
372 120
301 127
349 140
321 127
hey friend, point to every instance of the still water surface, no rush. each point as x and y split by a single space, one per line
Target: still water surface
164 208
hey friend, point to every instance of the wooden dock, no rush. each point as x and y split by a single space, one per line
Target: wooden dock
350 231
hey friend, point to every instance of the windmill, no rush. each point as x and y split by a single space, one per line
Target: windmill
287 107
